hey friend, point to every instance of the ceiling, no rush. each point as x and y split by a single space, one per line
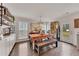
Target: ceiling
47 11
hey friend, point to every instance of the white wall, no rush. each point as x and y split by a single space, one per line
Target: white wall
69 19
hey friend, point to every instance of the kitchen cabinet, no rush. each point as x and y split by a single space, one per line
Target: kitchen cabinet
7 41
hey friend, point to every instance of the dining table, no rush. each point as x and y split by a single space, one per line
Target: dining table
35 37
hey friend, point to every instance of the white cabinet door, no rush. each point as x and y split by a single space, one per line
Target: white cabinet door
12 41
7 44
4 47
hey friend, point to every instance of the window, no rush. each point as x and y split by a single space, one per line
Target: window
46 26
23 26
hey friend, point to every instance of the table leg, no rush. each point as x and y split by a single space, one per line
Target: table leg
38 50
33 45
56 43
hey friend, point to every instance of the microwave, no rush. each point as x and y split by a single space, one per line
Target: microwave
6 31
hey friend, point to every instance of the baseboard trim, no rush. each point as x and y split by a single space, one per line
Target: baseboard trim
68 43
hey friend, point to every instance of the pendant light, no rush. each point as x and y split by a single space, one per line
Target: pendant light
40 20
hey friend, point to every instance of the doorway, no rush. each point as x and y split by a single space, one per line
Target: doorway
55 28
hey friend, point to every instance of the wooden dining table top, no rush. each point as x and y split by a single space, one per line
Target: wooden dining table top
35 36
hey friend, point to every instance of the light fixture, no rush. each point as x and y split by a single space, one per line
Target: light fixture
40 22
40 19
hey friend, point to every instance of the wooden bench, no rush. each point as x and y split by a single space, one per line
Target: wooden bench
43 44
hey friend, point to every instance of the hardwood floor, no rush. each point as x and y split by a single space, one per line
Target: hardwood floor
64 49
